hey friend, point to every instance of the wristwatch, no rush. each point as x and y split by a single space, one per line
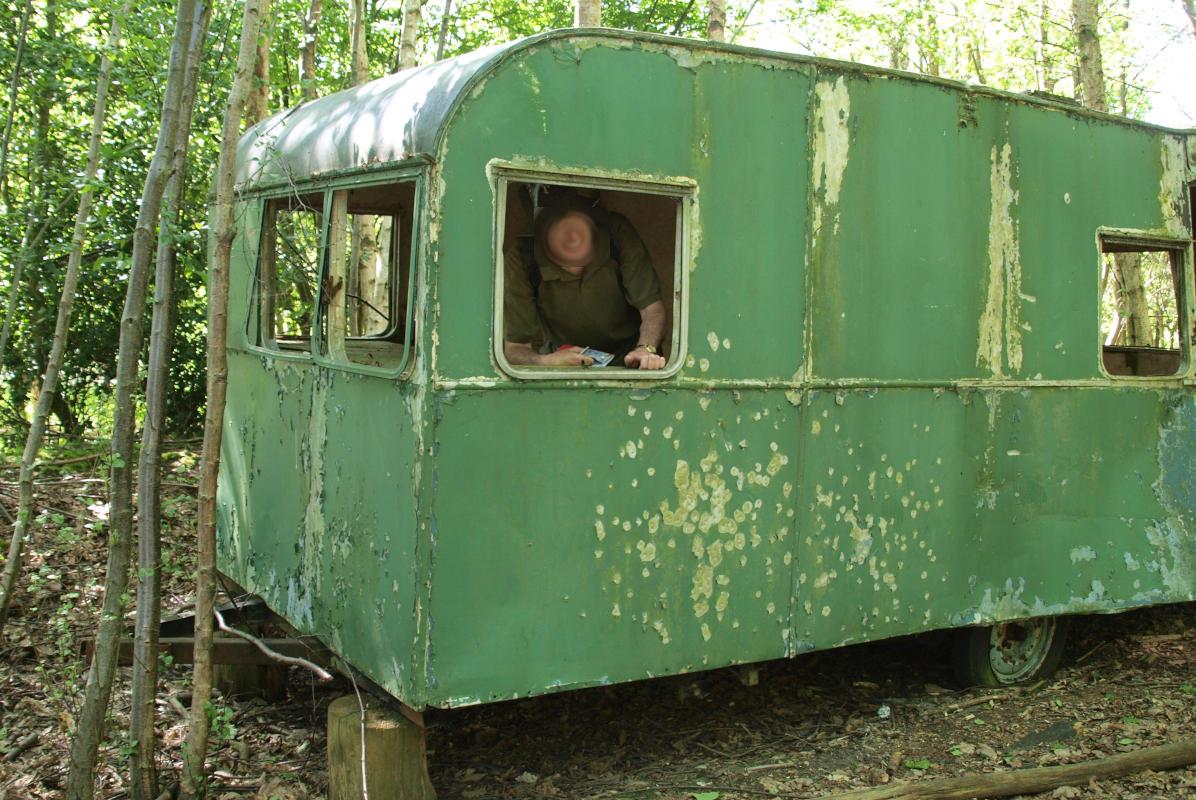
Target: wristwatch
650 349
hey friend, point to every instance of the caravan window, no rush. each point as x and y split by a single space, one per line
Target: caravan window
369 273
589 271
1141 308
289 269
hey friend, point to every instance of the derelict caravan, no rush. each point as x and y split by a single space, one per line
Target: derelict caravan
893 400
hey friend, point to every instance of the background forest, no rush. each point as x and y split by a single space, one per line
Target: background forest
50 55
99 167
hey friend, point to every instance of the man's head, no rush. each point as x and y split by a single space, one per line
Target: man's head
566 227
570 239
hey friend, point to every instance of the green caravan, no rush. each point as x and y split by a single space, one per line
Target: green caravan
929 366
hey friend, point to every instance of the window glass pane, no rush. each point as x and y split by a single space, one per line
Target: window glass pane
1139 310
290 268
369 245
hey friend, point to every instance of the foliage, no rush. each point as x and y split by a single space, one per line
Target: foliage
1022 45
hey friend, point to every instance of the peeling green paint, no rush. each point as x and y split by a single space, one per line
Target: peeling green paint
888 415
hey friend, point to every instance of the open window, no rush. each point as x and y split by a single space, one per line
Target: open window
368 287
1142 307
643 227
288 272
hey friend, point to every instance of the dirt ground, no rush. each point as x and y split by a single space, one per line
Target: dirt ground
823 723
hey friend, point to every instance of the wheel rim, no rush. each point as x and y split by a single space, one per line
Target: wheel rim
1017 649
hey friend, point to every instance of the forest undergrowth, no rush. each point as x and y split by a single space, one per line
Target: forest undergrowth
859 716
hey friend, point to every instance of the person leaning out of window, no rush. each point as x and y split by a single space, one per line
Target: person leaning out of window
585 280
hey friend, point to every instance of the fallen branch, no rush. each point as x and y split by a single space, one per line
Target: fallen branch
21 746
296 661
1035 780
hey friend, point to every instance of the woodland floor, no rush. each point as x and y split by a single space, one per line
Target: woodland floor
810 727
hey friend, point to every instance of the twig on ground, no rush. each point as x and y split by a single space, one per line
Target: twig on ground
1034 780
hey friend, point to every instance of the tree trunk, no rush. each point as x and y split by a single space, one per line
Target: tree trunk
1131 300
409 36
716 21
307 56
587 13
220 246
81 779
1092 72
142 766
49 387
13 83
359 60
1131 295
36 216
1190 9
444 26
257 107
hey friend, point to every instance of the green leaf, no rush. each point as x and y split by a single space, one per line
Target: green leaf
706 796
118 462
920 763
1125 740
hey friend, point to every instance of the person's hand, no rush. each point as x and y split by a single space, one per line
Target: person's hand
566 357
642 359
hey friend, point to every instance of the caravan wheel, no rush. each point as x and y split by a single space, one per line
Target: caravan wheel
1009 653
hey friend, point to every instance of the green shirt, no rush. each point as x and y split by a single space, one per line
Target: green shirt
598 308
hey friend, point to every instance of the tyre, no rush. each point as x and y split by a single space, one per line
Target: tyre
1009 653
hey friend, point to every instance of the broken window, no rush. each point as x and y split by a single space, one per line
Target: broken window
1141 308
621 293
369 273
289 269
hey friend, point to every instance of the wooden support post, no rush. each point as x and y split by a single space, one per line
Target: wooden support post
396 762
748 676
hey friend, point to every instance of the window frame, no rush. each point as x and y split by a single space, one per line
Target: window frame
261 338
318 350
683 190
1180 250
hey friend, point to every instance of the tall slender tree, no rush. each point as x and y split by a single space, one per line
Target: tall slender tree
13 83
444 28
408 57
84 748
220 247
142 762
1133 326
1190 10
716 21
66 303
307 55
257 107
587 13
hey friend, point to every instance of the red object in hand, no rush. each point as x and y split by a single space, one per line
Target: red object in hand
566 347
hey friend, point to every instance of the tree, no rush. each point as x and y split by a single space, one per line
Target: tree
307 56
587 13
49 387
1190 10
144 777
81 778
717 21
221 238
407 56
257 107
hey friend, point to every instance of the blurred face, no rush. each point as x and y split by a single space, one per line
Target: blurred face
571 240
